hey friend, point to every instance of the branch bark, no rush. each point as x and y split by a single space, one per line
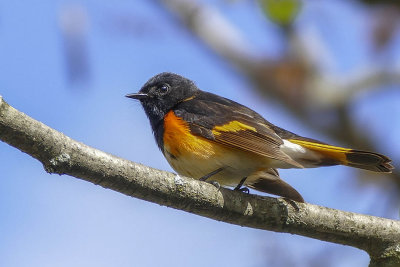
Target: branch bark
60 154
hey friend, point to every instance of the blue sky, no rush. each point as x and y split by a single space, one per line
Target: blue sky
52 220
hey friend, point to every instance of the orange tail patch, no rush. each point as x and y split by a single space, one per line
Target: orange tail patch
350 157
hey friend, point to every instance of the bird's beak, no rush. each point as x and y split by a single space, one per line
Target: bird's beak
137 96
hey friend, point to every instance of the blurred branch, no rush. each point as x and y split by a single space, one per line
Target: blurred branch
62 155
73 22
293 79
215 31
336 92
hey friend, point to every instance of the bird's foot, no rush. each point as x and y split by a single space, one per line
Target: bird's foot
242 189
214 183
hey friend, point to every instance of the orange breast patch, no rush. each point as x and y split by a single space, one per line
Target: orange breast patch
179 141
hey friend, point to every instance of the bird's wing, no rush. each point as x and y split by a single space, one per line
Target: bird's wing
231 124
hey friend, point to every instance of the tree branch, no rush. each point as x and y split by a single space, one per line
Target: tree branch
62 155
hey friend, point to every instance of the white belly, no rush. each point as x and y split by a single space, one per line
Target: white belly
235 166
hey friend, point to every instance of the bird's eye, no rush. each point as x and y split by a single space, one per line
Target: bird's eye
164 88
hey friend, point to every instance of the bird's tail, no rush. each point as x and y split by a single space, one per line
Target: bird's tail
355 158
268 181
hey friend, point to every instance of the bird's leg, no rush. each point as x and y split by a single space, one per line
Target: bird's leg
240 188
205 177
214 183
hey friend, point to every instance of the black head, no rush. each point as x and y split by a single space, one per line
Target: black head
161 93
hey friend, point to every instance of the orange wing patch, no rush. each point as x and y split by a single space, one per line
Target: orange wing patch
239 135
233 126
178 139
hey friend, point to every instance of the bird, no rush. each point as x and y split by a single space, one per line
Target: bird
211 138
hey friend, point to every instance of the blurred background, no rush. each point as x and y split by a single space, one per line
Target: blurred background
329 70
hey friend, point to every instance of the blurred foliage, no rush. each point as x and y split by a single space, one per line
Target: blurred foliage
386 22
281 12
380 2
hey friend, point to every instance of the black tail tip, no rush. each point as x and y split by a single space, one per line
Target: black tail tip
369 161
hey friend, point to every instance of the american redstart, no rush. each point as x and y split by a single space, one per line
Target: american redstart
206 136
